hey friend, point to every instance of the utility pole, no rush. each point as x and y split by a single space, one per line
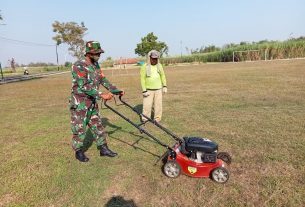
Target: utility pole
181 48
57 57
1 72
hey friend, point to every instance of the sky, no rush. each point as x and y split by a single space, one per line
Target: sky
26 29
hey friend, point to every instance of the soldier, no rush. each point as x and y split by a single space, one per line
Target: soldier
86 78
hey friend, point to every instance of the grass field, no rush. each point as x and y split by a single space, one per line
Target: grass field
255 111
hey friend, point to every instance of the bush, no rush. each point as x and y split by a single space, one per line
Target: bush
68 64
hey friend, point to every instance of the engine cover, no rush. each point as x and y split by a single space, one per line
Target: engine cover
209 157
193 144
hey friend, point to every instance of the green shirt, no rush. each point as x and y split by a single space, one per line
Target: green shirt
156 80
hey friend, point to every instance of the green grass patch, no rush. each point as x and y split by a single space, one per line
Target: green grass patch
254 111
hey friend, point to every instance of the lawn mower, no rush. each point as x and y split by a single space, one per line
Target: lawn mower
192 156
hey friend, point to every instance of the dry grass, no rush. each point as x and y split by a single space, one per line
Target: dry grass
255 111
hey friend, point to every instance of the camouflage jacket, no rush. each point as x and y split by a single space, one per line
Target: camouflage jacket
86 79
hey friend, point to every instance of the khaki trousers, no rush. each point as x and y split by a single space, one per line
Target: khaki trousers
154 100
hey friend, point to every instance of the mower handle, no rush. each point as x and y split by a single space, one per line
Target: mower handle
135 125
175 137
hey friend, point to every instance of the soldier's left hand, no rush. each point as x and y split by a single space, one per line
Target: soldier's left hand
122 93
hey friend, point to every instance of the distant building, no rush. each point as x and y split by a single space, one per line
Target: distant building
126 61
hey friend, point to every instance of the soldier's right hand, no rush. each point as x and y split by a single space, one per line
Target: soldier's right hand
106 96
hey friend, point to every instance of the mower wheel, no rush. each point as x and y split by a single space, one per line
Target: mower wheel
220 175
224 156
172 169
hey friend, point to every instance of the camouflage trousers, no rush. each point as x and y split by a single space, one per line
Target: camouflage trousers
86 113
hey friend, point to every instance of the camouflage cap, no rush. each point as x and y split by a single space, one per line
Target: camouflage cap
93 47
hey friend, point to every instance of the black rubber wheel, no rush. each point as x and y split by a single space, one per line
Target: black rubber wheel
220 175
224 156
172 169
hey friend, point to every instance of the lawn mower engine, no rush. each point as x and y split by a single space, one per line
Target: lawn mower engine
197 157
199 150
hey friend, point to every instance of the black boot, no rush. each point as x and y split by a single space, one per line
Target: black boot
80 155
105 151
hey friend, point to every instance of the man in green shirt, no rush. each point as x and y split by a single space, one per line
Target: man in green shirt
153 82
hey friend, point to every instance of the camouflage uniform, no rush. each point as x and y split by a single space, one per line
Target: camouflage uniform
86 79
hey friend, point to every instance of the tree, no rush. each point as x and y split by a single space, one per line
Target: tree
148 43
1 18
230 45
68 64
207 49
72 34
243 43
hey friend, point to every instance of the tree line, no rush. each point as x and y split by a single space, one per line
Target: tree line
72 34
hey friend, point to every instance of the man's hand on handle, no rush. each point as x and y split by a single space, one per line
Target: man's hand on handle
106 96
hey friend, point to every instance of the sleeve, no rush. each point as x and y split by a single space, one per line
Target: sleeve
109 86
143 77
162 75
80 76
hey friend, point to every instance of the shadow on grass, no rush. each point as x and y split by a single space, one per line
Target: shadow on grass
139 108
140 137
88 141
120 201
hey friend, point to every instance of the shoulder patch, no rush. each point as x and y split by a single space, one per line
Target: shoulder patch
81 74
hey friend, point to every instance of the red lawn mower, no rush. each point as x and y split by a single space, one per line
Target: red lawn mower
192 156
